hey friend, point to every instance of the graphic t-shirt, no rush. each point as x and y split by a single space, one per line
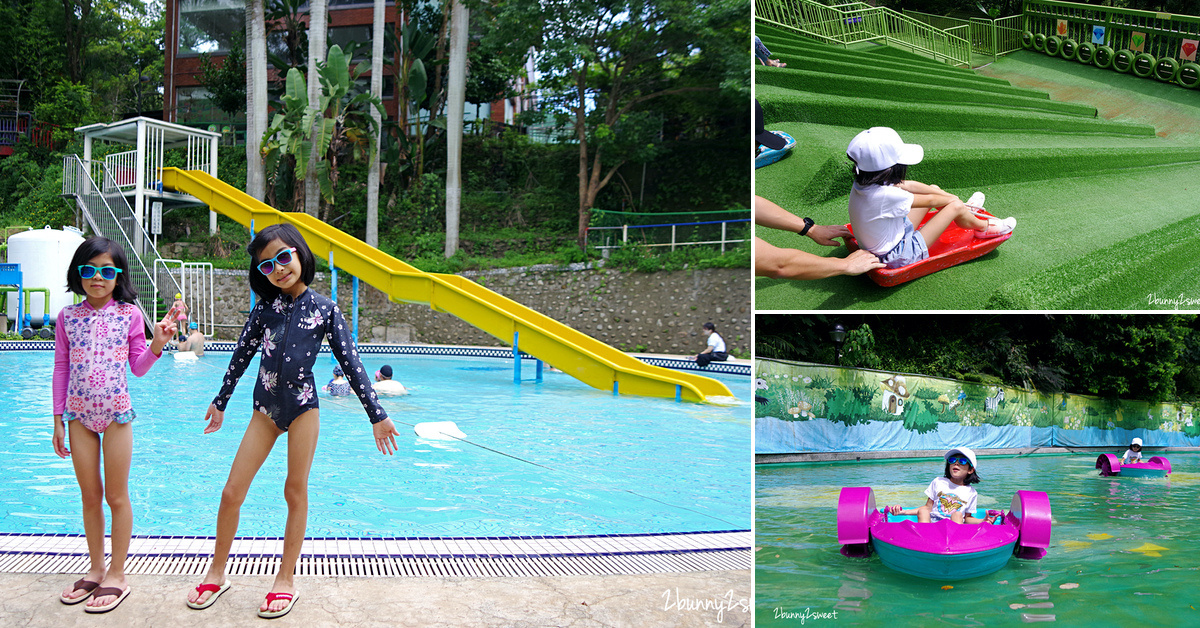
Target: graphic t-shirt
949 498
1132 456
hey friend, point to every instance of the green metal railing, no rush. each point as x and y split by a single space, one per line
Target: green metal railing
855 23
989 38
1164 32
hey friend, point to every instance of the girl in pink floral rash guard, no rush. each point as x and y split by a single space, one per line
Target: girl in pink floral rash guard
94 339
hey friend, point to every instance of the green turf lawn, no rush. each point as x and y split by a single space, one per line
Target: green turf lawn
1103 176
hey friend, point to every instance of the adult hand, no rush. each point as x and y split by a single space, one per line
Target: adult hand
861 261
825 234
385 436
215 418
60 446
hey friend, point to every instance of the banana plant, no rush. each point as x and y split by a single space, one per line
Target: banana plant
341 118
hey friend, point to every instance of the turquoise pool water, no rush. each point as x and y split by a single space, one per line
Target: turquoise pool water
1122 551
553 458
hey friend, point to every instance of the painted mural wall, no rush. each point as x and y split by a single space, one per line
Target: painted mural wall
803 407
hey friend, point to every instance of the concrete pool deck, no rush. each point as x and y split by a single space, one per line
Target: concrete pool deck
711 598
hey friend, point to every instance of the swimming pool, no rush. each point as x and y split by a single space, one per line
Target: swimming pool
1121 553
549 458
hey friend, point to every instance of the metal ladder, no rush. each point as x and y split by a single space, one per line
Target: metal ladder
108 214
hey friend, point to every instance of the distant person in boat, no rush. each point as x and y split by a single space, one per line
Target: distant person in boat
950 496
764 55
1134 453
772 261
885 207
715 349
385 385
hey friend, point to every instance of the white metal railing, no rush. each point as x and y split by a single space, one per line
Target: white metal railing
108 214
673 241
195 280
122 167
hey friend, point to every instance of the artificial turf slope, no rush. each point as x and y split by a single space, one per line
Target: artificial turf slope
1108 212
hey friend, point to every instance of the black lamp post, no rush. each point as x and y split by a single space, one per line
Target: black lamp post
838 335
142 80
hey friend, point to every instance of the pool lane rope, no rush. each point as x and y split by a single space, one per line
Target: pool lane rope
536 464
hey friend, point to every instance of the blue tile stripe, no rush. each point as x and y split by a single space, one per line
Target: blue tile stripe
434 350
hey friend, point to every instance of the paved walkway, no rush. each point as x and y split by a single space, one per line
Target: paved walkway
715 598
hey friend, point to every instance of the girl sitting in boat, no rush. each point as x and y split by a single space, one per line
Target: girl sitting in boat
884 206
950 496
1134 453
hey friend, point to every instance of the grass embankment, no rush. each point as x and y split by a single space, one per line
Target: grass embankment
1106 210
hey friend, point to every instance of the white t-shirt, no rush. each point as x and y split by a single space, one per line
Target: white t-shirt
1131 455
877 213
949 498
716 342
389 387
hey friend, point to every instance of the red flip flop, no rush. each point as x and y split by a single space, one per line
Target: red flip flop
271 597
215 589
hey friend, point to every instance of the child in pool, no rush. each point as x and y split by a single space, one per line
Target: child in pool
885 207
1134 453
338 386
288 322
93 340
950 496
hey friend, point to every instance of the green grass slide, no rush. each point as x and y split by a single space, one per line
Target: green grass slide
768 76
1145 271
909 92
786 105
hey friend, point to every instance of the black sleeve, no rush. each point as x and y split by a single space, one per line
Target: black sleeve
243 353
346 353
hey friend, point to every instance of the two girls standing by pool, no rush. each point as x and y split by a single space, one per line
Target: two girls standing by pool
92 342
288 323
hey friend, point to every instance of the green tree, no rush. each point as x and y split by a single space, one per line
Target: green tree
339 126
603 64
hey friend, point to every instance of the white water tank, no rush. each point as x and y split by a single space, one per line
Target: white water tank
44 255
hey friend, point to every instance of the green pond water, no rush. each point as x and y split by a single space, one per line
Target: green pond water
1123 551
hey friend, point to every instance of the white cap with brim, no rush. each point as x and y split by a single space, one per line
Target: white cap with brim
966 451
879 148
1136 441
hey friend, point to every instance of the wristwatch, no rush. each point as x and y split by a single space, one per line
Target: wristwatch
808 224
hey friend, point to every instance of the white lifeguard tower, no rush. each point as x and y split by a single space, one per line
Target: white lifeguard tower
121 197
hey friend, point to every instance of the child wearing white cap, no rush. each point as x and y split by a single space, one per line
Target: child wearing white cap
884 206
1134 453
950 496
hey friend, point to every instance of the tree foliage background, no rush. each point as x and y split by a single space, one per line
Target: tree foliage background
1148 357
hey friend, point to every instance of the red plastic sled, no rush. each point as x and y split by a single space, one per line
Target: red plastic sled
955 246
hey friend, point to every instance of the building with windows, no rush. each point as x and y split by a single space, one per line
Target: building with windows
213 27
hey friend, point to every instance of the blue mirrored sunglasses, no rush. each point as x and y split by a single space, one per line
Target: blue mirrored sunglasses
107 273
964 461
283 258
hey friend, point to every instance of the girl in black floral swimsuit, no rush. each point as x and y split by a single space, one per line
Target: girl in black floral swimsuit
288 323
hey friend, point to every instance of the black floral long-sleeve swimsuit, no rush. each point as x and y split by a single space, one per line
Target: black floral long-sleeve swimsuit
289 332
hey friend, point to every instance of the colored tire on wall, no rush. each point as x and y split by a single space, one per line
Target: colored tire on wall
1086 52
1189 75
1103 57
1143 64
1166 69
1069 48
1122 60
1039 42
1027 40
1053 45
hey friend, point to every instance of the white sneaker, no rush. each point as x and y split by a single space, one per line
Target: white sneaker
976 200
997 227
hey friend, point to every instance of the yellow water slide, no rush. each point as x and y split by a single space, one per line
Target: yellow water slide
578 355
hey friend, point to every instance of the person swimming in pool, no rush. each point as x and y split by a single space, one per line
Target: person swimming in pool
288 323
950 496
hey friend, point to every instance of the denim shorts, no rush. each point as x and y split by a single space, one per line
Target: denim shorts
910 249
